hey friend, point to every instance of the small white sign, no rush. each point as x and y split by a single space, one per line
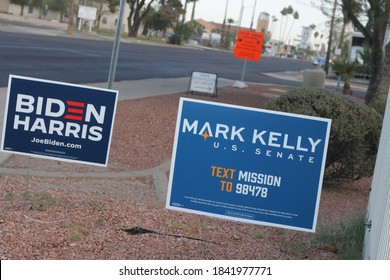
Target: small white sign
203 82
87 12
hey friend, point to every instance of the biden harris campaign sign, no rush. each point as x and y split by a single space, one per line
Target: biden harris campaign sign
58 120
248 165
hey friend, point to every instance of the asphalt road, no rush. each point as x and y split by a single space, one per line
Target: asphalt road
77 60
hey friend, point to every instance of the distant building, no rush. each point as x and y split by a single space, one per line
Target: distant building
4 6
306 37
108 20
212 31
209 26
263 23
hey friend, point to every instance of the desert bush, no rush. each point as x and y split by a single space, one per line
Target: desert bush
379 104
182 32
355 131
346 238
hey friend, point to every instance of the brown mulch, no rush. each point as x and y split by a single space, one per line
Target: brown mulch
86 218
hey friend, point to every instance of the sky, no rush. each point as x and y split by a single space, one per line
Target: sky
214 10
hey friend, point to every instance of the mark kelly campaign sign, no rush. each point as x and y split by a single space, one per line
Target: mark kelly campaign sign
246 164
58 120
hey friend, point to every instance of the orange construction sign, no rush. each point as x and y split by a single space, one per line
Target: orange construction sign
249 45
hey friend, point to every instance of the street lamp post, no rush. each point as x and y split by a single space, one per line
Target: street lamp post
253 14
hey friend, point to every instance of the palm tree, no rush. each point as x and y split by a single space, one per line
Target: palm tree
296 17
185 11
347 6
315 39
193 10
345 68
331 28
230 22
274 20
289 11
346 20
284 13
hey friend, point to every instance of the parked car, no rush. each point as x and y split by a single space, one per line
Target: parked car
319 61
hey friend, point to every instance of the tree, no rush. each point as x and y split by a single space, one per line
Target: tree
40 4
373 26
170 11
61 6
330 40
71 17
182 32
365 57
274 20
185 11
22 4
230 22
296 17
346 20
345 68
111 4
289 11
138 10
315 40
159 18
281 42
151 21
384 83
193 10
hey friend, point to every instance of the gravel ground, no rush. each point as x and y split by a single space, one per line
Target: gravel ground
121 218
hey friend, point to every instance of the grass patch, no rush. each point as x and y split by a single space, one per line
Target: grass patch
40 201
297 248
104 32
184 228
345 239
77 232
111 33
97 206
10 196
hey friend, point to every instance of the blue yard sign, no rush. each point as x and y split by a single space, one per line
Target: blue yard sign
248 165
58 121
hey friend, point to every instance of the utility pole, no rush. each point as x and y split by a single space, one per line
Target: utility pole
224 19
253 15
241 14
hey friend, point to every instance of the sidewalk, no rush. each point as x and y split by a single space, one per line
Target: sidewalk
331 79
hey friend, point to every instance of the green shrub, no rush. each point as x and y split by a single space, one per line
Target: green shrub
182 32
379 104
346 238
355 131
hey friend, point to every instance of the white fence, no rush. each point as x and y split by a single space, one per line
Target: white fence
377 237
